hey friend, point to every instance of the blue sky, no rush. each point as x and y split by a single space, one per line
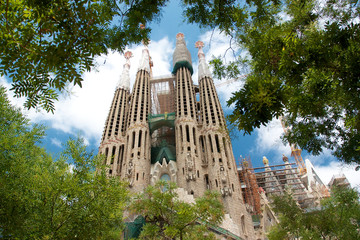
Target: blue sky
84 111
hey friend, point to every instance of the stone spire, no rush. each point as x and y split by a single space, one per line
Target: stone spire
145 60
181 56
124 81
203 67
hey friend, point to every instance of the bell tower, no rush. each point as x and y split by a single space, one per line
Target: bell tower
216 144
113 138
136 165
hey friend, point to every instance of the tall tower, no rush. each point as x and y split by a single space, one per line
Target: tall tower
137 149
113 139
186 130
215 143
171 133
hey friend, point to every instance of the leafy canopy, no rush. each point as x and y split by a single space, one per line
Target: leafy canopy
167 217
301 62
45 199
47 44
337 218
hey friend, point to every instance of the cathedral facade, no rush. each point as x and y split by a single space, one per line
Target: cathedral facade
168 128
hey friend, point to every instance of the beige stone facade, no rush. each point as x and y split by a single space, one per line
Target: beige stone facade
168 128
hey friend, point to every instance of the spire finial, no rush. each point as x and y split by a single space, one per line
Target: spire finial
265 161
203 67
181 56
124 81
199 44
127 56
285 159
180 36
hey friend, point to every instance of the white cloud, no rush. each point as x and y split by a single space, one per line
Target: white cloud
322 158
268 139
56 142
335 168
284 17
86 109
217 44
161 54
18 102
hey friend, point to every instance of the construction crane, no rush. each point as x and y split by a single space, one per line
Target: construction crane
295 151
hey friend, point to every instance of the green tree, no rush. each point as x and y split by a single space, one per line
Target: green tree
301 62
45 199
337 218
167 217
47 44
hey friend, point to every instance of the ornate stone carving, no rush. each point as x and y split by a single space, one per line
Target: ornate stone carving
158 169
130 173
189 164
225 190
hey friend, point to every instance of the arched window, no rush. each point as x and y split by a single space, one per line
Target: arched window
165 177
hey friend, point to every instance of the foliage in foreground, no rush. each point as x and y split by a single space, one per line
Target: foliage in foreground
47 44
45 199
302 62
167 217
337 218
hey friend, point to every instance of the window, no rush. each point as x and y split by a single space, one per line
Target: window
210 143
139 141
165 177
113 155
207 182
133 140
243 224
217 143
187 133
202 144
106 154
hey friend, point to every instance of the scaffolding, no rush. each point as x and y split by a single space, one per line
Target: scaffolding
249 186
277 179
163 94
162 118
